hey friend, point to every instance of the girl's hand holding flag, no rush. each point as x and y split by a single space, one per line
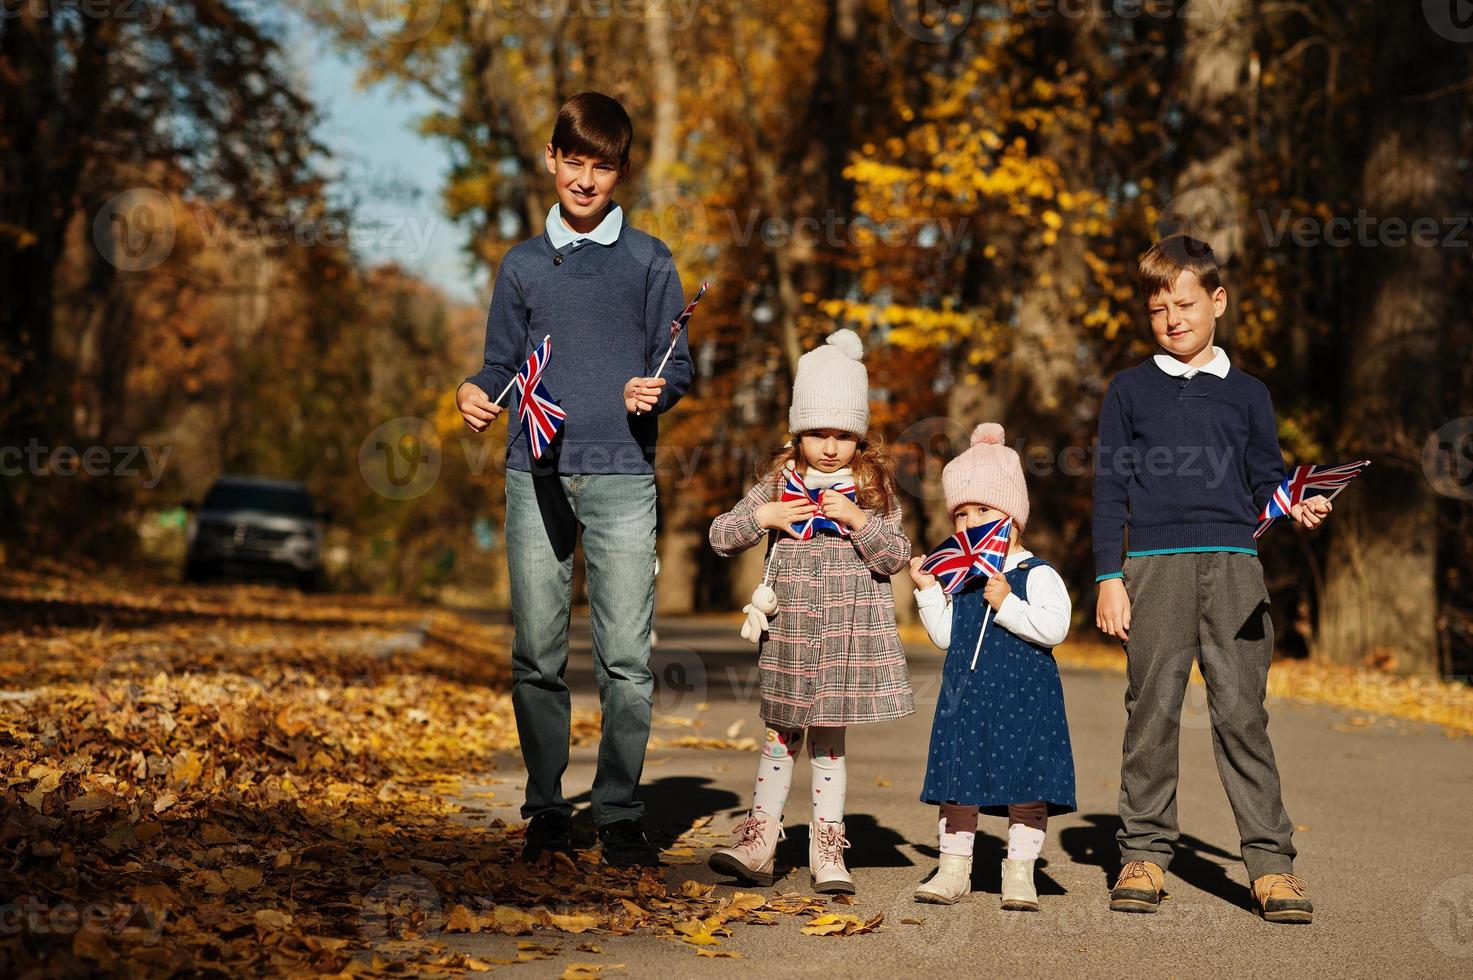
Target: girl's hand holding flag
843 509
785 516
996 590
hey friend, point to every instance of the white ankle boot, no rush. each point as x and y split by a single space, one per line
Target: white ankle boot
1018 893
752 858
826 845
949 883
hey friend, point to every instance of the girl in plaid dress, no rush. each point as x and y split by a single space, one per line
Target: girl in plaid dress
831 656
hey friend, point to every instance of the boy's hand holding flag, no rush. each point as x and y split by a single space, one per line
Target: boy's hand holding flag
640 394
1302 495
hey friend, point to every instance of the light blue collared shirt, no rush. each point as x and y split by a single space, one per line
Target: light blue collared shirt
561 236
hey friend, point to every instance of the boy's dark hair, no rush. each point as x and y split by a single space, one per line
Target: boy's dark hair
1169 258
593 124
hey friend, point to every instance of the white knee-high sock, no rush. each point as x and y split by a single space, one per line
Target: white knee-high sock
959 843
830 775
775 773
1024 843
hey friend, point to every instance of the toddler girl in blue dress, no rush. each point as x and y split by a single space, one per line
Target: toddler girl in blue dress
1000 741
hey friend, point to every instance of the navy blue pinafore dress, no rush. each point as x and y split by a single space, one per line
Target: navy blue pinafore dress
1000 734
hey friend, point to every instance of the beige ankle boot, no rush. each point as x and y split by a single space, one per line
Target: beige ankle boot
949 883
751 859
826 844
1018 893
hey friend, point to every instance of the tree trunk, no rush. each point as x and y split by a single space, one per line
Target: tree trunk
1211 192
1380 602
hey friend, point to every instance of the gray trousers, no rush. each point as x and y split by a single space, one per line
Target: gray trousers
1211 607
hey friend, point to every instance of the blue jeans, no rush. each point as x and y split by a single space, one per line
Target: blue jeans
616 512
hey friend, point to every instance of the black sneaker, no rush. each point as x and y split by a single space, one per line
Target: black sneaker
625 845
548 831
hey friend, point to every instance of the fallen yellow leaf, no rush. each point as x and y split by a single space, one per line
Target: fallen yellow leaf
575 922
695 889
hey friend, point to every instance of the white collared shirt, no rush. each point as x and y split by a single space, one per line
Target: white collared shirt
561 236
1218 365
1043 619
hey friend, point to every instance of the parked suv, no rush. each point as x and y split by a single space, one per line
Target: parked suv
254 526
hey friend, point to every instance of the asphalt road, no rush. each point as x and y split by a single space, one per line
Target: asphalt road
1385 835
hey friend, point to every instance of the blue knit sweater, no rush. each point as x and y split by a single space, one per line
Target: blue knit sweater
1185 463
608 310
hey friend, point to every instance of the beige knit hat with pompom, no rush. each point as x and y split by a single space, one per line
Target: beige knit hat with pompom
831 389
987 473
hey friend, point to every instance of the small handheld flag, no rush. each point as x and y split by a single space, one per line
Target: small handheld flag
1306 481
795 489
977 550
677 325
540 413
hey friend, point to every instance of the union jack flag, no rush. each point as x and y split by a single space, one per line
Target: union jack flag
1307 481
541 415
975 551
795 489
678 324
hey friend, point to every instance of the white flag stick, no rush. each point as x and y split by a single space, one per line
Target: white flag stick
675 337
640 411
498 398
666 358
985 619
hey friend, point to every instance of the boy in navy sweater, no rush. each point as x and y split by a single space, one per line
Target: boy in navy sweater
1187 456
605 293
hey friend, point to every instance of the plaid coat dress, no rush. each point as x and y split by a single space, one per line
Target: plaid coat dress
832 655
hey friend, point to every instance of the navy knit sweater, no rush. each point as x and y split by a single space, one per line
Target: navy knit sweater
608 310
1185 463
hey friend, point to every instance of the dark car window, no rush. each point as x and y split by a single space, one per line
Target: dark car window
269 499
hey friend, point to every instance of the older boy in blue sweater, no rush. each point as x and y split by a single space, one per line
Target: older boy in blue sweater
605 293
1188 454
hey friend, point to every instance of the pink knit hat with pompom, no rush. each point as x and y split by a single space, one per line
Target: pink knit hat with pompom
987 473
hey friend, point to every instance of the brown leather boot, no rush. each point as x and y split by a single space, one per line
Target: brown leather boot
1282 898
1139 888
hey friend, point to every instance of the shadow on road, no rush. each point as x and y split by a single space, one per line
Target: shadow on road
1196 863
873 845
673 804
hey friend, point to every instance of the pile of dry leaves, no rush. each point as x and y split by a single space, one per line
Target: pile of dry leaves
244 780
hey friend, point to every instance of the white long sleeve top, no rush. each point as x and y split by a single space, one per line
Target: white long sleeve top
1042 619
